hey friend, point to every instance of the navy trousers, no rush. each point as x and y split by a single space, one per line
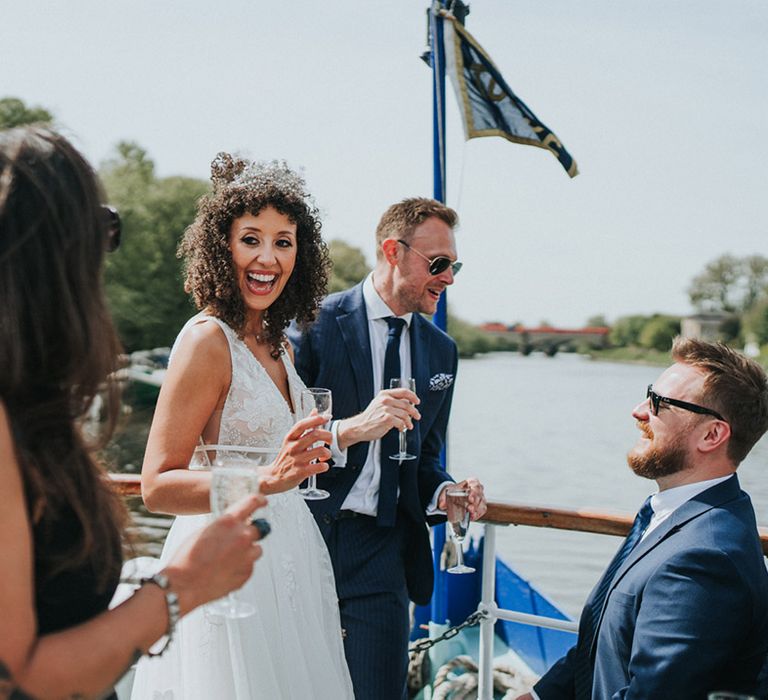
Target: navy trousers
373 600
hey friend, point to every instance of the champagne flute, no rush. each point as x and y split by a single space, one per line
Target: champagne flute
236 472
410 384
320 399
457 500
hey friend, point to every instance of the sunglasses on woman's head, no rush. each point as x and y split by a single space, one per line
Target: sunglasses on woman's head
113 226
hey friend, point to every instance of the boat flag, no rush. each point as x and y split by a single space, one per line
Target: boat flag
488 106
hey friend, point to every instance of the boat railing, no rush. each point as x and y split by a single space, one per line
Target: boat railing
503 514
500 513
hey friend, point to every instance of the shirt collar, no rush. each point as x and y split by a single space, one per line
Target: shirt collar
375 307
665 502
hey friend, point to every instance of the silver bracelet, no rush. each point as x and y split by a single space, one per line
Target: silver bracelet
172 603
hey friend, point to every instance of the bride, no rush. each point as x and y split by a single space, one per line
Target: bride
254 260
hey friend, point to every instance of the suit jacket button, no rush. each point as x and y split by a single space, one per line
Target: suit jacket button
327 519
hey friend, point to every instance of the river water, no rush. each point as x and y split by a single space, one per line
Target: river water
540 431
555 431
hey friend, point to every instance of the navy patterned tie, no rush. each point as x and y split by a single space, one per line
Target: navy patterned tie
389 471
584 670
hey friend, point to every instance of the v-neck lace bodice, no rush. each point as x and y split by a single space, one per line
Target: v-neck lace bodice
255 412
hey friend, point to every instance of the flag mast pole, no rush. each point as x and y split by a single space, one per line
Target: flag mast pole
438 128
439 611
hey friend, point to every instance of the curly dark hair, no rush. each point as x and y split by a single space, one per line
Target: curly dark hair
241 187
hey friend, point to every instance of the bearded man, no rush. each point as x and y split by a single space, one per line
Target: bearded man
682 610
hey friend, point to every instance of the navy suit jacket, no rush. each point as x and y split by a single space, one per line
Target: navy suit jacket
335 353
687 612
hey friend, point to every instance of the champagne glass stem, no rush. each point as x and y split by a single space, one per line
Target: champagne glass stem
232 603
402 442
459 544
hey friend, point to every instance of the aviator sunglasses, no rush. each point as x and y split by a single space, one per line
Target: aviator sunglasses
111 221
436 265
656 400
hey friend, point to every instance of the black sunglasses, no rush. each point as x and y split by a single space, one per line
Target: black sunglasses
111 221
436 265
656 400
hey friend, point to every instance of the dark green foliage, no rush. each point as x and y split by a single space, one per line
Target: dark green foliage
13 112
144 278
626 331
659 331
349 266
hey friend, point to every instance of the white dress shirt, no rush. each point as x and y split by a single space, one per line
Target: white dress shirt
664 503
363 497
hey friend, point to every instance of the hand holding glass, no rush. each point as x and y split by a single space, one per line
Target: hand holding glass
236 472
457 500
319 399
409 384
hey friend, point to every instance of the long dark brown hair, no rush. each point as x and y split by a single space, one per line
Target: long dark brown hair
58 346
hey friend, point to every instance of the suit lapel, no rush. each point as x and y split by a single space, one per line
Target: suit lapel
698 505
690 510
353 325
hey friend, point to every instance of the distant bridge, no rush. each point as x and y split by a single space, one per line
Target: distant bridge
547 338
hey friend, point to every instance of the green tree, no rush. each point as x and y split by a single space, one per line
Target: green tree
755 270
349 266
659 331
627 329
13 112
144 279
756 322
470 339
730 284
597 321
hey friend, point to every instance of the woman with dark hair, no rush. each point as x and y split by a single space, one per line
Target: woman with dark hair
254 261
60 522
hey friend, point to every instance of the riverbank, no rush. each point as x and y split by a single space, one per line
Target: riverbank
631 355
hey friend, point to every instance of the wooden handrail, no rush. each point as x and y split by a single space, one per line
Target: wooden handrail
126 484
503 513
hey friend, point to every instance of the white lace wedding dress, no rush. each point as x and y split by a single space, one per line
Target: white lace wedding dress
291 648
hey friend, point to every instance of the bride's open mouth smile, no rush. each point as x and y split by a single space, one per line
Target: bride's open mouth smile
261 283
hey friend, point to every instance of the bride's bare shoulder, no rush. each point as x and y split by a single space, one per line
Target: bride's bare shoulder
202 343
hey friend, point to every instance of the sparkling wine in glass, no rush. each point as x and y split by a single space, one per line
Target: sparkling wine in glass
319 399
402 454
235 474
457 500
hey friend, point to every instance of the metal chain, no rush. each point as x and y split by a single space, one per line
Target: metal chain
474 618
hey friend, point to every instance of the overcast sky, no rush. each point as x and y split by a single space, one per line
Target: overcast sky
662 104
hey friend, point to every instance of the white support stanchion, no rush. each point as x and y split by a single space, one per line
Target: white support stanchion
488 596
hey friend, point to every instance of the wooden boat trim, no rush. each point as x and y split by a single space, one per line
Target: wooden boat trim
581 520
504 513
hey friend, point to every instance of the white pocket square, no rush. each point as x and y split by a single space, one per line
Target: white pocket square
440 382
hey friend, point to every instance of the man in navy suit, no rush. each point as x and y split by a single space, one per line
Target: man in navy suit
375 520
683 608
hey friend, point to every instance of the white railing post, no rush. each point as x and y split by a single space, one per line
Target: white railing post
487 597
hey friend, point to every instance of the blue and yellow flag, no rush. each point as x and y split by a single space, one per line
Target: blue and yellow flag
488 107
